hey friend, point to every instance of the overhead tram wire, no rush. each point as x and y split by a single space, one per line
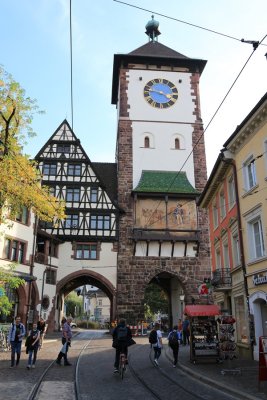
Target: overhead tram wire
71 74
212 118
187 23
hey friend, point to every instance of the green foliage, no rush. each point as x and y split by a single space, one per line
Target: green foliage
20 180
7 279
156 301
72 301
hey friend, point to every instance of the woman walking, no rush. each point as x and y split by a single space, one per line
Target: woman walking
32 345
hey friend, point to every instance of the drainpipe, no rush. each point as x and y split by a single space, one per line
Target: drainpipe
31 271
243 263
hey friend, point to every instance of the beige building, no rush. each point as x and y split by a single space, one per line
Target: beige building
248 147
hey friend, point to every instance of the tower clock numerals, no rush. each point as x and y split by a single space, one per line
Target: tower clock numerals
160 93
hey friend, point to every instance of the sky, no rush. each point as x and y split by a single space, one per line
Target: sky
35 49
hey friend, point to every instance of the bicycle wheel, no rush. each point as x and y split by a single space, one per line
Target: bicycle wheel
122 367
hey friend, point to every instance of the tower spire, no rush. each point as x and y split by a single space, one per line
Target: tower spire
152 30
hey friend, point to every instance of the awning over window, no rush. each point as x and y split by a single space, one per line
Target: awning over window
202 310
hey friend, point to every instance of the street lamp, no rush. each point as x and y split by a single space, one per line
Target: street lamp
182 297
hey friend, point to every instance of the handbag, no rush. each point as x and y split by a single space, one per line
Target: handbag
64 348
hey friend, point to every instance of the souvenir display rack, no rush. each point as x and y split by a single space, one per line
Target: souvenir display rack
204 338
227 343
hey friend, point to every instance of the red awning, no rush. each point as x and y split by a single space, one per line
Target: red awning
200 310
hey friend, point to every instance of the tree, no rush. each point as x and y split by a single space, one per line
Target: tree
73 304
20 179
156 300
7 279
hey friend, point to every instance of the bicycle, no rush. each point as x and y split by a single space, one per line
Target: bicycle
122 364
3 340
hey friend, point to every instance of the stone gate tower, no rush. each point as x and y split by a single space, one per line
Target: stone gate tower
163 237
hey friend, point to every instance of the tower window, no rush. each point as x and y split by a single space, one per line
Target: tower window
147 142
177 144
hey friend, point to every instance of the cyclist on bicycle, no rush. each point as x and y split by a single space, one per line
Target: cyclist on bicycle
122 336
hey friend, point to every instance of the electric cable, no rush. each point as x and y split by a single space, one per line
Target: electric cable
212 118
190 24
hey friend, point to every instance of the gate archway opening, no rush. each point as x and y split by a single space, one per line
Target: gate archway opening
83 279
165 292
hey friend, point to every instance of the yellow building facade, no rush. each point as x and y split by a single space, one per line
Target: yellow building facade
247 146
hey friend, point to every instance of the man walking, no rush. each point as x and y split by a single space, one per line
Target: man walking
16 333
66 341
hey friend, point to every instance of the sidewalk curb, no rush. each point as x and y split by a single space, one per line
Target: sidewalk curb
227 389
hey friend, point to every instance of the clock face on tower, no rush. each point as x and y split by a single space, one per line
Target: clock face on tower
160 93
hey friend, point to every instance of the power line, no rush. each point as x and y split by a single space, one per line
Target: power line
253 42
71 79
210 121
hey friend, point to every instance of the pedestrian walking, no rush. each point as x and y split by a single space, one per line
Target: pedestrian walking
15 335
158 345
32 346
173 340
66 342
122 339
42 327
186 331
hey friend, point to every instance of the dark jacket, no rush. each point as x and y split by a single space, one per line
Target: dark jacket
116 343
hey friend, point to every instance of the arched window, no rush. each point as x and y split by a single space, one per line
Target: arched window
146 144
177 143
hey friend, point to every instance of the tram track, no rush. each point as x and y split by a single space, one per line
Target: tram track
35 392
92 359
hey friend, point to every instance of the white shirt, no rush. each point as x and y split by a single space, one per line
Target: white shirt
159 336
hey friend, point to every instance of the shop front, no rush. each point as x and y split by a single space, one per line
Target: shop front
258 308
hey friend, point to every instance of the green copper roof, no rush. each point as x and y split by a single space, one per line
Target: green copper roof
165 182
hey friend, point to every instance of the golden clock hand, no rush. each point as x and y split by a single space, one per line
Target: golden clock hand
161 92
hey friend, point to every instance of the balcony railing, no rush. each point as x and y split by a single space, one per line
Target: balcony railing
221 279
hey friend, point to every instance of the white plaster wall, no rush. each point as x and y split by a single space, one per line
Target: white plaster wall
162 156
161 125
17 231
181 111
105 266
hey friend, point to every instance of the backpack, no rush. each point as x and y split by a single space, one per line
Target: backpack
173 339
153 337
122 333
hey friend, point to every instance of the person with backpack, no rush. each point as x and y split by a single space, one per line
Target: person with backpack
155 339
173 340
32 345
15 335
122 337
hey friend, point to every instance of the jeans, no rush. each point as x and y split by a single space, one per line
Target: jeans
34 354
15 348
157 352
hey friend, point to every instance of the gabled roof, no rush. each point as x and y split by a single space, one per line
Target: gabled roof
108 174
154 53
63 133
165 182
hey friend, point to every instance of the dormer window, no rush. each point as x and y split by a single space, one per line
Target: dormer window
147 142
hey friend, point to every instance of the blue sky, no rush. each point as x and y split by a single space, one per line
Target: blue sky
35 50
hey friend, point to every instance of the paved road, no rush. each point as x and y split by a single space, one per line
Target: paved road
96 378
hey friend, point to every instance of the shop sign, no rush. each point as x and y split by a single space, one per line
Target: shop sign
259 279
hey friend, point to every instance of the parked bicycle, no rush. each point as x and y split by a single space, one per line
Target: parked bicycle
3 340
